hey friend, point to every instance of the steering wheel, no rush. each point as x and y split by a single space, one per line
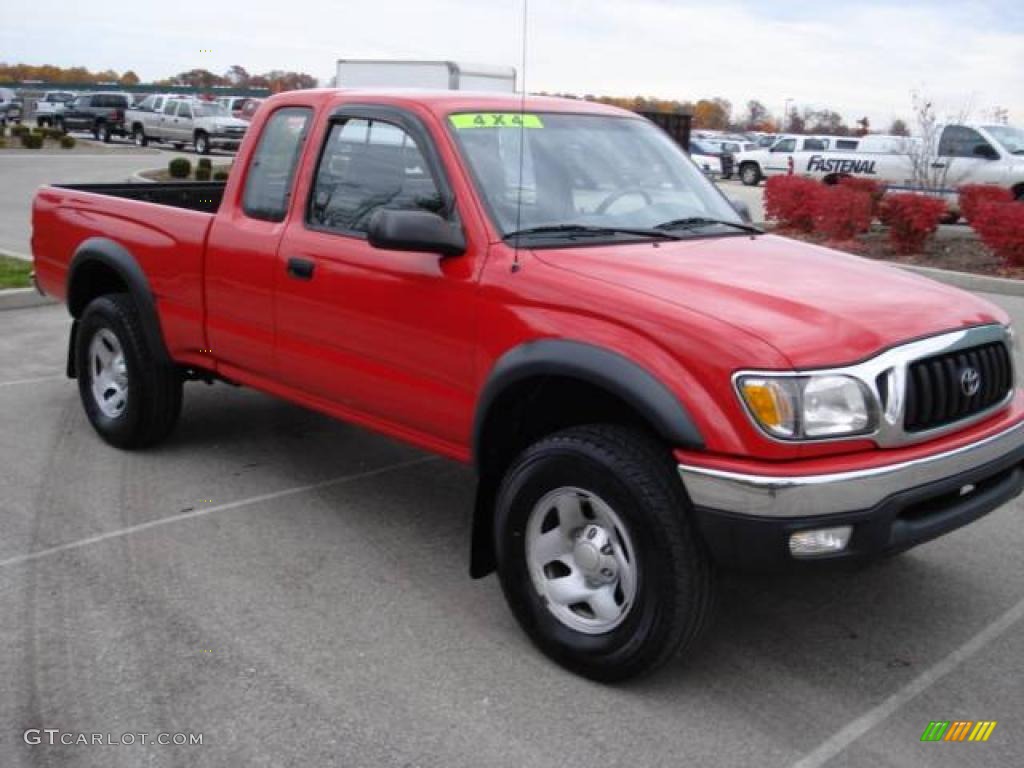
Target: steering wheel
620 193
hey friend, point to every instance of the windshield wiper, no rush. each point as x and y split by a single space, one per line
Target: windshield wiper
693 222
587 230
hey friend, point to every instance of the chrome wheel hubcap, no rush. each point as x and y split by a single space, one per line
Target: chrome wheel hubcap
109 373
581 560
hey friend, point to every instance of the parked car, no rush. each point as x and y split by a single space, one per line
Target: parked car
10 107
704 151
143 118
755 165
965 154
50 105
101 114
203 124
249 109
551 291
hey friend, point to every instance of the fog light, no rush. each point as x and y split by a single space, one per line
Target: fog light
822 541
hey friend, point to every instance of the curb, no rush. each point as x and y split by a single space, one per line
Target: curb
137 176
23 298
981 283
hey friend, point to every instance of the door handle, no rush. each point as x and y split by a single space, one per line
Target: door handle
938 165
301 269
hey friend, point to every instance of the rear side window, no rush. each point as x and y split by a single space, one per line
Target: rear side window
169 107
367 165
815 145
268 186
184 109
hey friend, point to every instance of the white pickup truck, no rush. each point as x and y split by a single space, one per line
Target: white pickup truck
757 164
965 154
50 105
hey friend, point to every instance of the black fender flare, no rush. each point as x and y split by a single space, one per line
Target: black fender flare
611 371
100 250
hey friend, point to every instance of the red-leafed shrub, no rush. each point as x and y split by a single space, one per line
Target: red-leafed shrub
791 201
974 196
871 188
842 212
911 219
1001 226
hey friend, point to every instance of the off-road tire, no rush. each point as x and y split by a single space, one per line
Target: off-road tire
635 475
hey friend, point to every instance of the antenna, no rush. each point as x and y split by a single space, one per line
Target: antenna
522 145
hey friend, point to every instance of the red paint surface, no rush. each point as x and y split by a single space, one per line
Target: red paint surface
404 342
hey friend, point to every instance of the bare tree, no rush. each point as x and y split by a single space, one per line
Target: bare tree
898 127
929 170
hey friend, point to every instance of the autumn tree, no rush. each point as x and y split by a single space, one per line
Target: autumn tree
129 78
712 114
898 127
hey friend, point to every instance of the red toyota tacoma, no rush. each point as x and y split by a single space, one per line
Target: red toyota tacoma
648 386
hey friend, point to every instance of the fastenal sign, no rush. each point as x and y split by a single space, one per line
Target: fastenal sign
958 730
825 164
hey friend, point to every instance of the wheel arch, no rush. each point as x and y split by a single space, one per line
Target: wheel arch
101 266
543 386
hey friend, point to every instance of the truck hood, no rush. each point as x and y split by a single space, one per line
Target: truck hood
220 123
816 306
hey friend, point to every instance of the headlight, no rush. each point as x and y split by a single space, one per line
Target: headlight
809 407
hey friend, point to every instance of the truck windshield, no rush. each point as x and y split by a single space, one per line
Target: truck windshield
1011 138
208 109
593 171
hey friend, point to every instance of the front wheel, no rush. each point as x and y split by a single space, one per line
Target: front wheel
596 555
131 399
750 174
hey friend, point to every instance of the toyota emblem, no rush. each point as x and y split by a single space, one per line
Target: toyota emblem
970 381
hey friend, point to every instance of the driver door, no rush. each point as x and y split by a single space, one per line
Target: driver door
385 336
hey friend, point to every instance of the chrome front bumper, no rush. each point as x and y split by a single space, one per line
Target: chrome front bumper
783 497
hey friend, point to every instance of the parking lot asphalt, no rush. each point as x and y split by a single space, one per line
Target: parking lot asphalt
295 590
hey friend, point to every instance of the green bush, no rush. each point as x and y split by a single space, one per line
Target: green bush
54 133
31 140
179 168
67 142
202 174
3 131
205 162
3 143
220 175
19 130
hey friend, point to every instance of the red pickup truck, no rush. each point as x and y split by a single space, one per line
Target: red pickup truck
648 386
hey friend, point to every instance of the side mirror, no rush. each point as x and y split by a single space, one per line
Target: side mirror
985 151
421 231
741 208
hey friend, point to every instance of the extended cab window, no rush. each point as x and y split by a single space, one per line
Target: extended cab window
961 141
367 165
268 185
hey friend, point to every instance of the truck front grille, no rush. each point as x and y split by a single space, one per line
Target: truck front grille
950 387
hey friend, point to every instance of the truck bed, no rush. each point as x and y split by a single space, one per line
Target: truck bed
163 227
202 196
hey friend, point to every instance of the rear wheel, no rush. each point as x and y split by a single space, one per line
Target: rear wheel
139 136
750 174
596 555
130 398
202 144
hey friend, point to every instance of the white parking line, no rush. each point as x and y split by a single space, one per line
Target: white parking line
38 380
846 736
78 544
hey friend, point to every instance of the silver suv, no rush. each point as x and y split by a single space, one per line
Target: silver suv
202 124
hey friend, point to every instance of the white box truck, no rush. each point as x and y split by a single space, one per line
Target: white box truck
439 75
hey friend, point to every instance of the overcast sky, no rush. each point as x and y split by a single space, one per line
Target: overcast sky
857 56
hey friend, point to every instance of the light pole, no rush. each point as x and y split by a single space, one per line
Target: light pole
785 114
